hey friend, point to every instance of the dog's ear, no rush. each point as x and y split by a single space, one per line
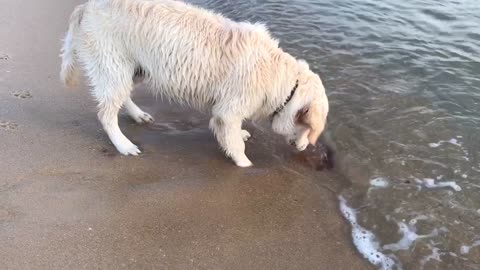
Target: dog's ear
301 116
312 116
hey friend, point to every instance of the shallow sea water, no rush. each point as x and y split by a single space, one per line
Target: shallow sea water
403 80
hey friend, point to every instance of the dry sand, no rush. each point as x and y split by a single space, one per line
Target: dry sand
69 201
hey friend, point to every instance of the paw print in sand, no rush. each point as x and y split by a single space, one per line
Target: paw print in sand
22 94
8 125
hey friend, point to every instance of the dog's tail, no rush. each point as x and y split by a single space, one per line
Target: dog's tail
69 72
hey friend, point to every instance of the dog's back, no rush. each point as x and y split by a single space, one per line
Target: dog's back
188 54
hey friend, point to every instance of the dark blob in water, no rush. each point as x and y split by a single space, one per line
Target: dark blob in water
318 157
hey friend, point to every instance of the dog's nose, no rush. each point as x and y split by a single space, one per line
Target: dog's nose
292 143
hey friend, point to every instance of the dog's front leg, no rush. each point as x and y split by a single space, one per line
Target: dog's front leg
230 136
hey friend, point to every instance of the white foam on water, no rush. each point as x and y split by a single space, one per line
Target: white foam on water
451 141
466 249
436 255
430 183
455 142
379 182
409 235
365 241
435 145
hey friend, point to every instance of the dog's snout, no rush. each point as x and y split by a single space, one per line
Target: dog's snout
292 142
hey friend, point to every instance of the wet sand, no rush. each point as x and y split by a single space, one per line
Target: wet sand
68 200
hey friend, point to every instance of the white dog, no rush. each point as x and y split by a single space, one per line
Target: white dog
192 56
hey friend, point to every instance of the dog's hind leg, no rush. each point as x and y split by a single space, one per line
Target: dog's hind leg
108 115
112 87
132 109
229 134
136 113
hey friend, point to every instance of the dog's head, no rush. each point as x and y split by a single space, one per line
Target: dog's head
303 118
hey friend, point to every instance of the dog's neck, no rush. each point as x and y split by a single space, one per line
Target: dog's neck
282 106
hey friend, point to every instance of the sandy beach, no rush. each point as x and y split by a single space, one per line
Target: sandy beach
68 200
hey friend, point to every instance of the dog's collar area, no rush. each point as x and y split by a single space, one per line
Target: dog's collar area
280 108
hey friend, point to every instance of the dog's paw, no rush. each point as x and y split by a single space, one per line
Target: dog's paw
302 147
245 135
243 162
144 118
129 150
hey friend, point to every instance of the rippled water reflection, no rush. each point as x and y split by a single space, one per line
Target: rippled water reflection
403 79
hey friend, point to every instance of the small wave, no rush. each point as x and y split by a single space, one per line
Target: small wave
409 235
438 15
451 141
466 249
379 183
431 183
366 242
